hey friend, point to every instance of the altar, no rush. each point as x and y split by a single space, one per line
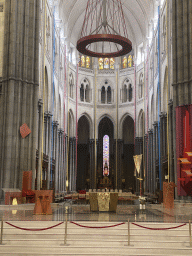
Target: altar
103 201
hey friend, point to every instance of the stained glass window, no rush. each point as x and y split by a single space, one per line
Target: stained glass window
106 155
87 62
125 62
112 62
83 61
100 63
106 63
130 61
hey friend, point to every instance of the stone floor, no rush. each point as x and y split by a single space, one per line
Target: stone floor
182 212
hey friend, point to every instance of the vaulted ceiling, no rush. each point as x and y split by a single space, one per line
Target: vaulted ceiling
138 14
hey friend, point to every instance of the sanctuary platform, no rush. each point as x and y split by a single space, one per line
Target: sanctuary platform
182 212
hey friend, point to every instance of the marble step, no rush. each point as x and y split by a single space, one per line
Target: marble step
107 237
102 243
90 250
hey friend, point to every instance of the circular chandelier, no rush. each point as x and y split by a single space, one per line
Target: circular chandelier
104 33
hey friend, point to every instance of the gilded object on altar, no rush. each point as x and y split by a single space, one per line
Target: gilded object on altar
103 201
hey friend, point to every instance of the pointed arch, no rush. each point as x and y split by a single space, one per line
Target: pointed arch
90 123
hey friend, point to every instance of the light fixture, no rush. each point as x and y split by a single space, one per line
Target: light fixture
104 32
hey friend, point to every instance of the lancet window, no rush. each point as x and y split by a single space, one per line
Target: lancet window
127 61
85 91
141 79
106 63
127 91
71 85
85 61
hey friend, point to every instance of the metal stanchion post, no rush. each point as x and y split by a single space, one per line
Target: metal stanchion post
1 241
128 233
65 239
190 234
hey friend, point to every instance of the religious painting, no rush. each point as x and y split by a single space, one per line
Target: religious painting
106 63
100 63
88 62
130 61
112 63
83 61
125 62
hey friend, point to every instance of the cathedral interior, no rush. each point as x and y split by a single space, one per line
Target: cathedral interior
77 121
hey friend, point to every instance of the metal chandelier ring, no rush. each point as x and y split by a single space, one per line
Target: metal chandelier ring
123 41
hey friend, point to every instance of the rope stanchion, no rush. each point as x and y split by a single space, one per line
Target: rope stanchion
128 232
1 241
65 240
33 229
159 228
97 227
65 232
190 240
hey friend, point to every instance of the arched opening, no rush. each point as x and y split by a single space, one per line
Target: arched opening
83 155
125 93
85 90
105 130
87 93
103 94
128 179
109 94
82 92
130 93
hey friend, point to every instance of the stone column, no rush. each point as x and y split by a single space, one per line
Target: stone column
70 163
139 151
40 145
92 164
55 127
182 61
145 177
59 159
170 138
151 176
119 163
19 101
49 149
74 165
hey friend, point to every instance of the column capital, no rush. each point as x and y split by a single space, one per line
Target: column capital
170 102
60 131
55 123
40 102
150 131
155 124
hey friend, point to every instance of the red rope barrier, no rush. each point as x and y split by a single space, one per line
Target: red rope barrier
96 227
33 229
159 228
